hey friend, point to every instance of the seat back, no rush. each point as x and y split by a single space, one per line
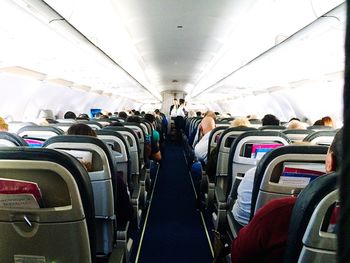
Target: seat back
14 126
308 216
102 175
54 220
319 128
214 137
272 128
39 132
133 148
119 148
286 171
8 139
246 151
321 137
297 135
141 135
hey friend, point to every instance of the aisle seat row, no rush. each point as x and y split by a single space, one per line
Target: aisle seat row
282 170
118 149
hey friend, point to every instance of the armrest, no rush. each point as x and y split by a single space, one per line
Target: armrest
136 193
220 198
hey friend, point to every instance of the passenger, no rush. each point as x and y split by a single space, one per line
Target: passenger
295 125
270 119
265 236
83 116
201 148
327 121
69 115
3 125
124 207
81 129
134 118
318 123
153 152
240 122
210 114
198 114
122 115
212 160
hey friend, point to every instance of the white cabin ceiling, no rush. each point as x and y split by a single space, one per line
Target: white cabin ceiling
217 38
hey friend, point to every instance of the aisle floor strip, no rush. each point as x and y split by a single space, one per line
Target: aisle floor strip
203 221
146 218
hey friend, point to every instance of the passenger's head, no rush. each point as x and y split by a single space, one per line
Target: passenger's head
69 115
198 114
240 122
270 119
175 102
83 116
335 153
207 124
81 129
150 117
133 118
295 125
327 121
318 123
210 114
182 101
122 115
3 125
157 111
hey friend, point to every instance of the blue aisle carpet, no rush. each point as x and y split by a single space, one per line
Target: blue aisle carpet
174 231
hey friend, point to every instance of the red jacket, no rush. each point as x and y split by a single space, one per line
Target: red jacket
264 238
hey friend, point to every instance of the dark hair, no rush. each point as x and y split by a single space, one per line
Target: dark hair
319 123
69 115
198 113
81 129
336 148
294 119
149 117
83 116
157 111
122 115
270 119
137 113
135 118
181 101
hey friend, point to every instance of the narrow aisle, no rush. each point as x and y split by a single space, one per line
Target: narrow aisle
174 231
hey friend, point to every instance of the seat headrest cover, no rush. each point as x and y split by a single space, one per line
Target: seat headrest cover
306 203
297 131
268 157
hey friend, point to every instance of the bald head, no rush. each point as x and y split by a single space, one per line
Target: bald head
207 124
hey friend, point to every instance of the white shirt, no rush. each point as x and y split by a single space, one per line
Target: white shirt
201 148
241 208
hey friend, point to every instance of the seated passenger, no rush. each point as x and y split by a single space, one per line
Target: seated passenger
318 123
201 148
3 125
122 115
83 116
69 115
153 152
270 119
212 160
265 236
327 121
124 207
295 124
